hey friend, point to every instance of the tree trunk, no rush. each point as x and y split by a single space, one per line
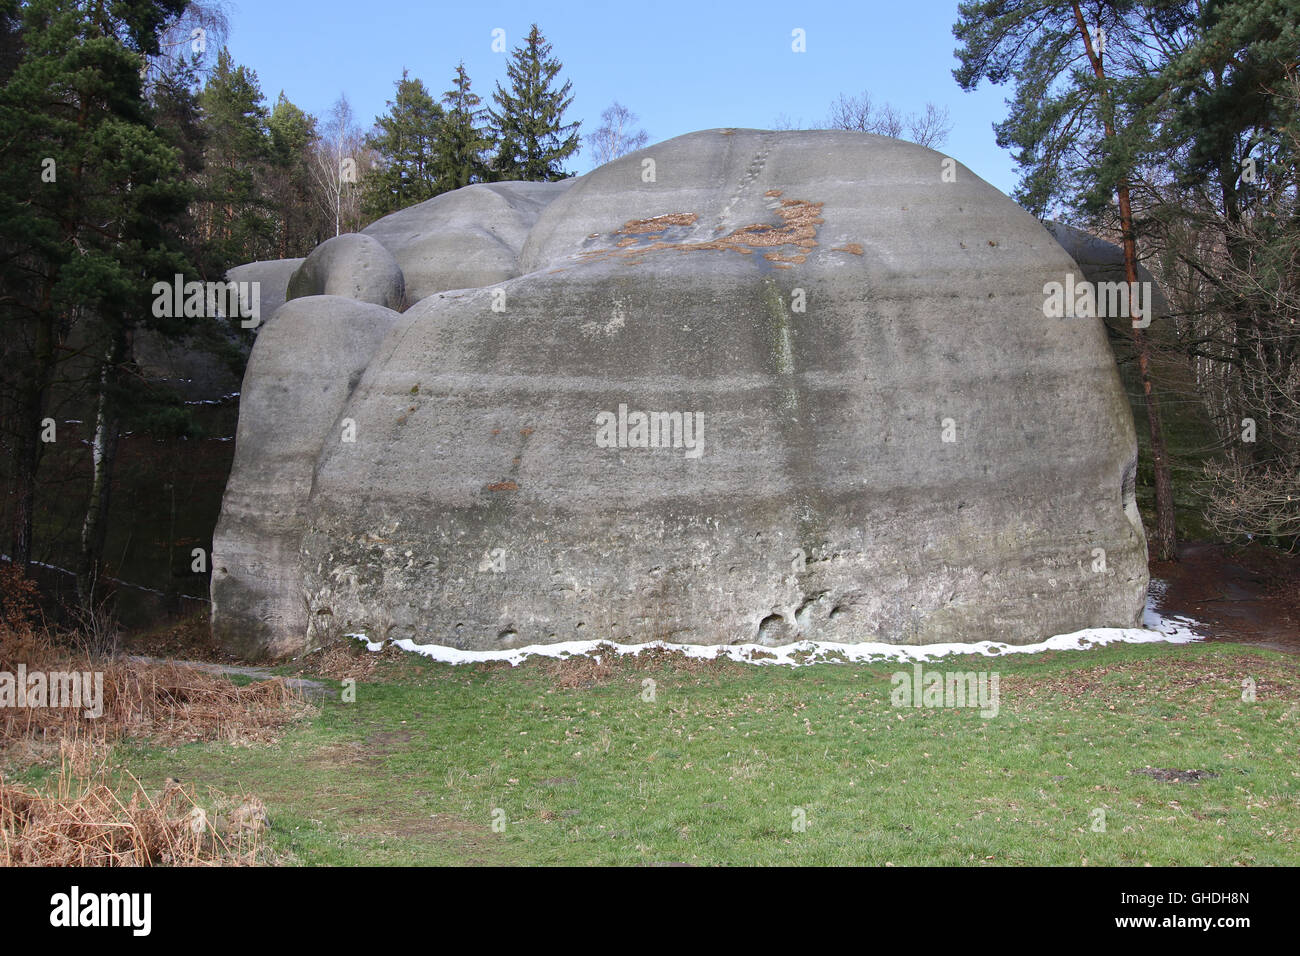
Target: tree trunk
26 460
33 396
1166 527
103 457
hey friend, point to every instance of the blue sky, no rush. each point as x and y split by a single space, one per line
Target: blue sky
680 66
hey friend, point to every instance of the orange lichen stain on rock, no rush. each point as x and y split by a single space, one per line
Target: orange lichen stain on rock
799 221
503 486
772 193
639 227
852 247
525 432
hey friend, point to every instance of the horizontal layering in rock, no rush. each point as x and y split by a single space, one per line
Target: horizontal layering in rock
738 386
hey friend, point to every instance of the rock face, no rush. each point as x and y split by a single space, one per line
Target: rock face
765 386
283 422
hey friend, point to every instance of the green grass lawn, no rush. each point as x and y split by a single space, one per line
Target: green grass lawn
719 767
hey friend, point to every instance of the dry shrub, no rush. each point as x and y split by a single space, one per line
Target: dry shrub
168 702
20 607
347 659
579 671
83 821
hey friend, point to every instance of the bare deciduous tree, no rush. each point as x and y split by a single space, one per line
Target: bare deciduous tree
929 129
783 122
340 159
203 26
1255 489
616 135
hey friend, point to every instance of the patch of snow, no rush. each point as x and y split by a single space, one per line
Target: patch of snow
1181 629
370 645
1157 630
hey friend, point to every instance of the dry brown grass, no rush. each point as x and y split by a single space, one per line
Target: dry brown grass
164 701
83 821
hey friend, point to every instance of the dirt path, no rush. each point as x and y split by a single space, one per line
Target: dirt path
1249 595
311 689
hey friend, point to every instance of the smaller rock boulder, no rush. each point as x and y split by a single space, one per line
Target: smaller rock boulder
272 277
352 266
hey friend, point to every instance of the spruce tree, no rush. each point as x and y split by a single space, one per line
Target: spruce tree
292 143
462 141
533 139
404 138
237 210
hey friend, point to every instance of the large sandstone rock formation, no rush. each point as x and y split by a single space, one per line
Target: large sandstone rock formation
867 429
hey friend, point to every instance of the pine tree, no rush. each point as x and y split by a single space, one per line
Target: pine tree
1229 84
462 141
404 138
533 139
1073 126
173 93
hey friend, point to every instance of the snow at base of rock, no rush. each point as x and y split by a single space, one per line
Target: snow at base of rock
1157 629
